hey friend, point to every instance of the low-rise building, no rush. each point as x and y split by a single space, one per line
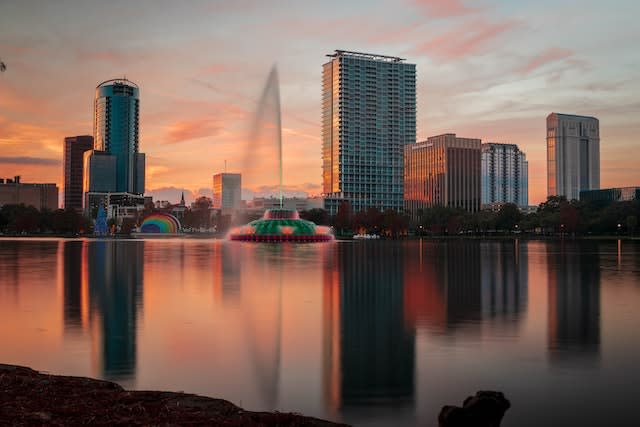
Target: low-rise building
610 195
40 196
116 205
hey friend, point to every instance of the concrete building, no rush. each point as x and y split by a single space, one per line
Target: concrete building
40 196
116 205
74 149
368 117
444 170
504 175
116 120
573 155
227 191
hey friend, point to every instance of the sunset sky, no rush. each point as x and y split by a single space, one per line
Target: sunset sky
487 69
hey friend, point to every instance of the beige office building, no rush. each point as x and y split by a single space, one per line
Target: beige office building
40 196
444 170
573 155
227 191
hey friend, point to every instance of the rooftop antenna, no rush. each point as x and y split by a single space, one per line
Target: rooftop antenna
225 166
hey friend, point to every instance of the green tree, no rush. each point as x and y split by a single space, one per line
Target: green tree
342 221
316 215
508 217
632 224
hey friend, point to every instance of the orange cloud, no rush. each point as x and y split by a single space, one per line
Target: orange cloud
184 130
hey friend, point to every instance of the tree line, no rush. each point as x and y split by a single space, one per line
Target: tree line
555 216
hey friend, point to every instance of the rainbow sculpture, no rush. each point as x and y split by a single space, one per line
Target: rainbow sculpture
160 223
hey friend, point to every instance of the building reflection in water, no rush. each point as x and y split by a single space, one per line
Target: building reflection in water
113 271
225 265
460 283
72 276
504 280
574 302
369 351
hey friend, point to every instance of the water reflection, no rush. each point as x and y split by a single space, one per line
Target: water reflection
115 281
574 302
72 294
504 280
460 283
363 332
369 349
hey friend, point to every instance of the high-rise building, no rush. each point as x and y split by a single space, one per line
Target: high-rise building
504 175
444 170
368 117
227 191
573 155
117 107
74 148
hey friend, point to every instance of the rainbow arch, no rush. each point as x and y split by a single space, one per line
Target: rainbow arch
160 222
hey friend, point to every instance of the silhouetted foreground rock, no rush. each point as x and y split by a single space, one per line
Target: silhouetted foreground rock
31 398
485 409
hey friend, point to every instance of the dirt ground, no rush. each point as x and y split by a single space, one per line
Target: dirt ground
29 398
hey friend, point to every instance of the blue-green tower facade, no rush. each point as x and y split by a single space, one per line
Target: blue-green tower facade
116 132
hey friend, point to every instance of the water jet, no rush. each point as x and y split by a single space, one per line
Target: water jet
276 225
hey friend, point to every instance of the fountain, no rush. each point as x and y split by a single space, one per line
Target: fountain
276 225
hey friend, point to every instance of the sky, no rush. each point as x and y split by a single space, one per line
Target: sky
485 69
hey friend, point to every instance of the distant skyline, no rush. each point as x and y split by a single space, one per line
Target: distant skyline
485 69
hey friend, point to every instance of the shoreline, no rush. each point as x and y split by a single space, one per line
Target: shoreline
337 237
29 397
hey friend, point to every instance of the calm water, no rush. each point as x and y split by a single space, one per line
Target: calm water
365 332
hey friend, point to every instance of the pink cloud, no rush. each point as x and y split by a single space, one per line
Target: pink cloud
398 35
547 57
469 38
444 8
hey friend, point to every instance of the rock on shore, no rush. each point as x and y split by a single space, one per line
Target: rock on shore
485 409
30 398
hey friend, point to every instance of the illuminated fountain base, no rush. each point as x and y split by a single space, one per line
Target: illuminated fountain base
281 225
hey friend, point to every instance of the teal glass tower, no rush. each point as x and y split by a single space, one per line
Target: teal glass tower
116 120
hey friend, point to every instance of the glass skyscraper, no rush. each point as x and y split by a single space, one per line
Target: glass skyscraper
368 116
116 116
573 155
504 175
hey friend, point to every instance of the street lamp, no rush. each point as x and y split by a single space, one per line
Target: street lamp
619 227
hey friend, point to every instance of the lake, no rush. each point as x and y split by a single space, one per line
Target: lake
365 332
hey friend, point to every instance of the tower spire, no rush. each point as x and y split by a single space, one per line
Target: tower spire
182 199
